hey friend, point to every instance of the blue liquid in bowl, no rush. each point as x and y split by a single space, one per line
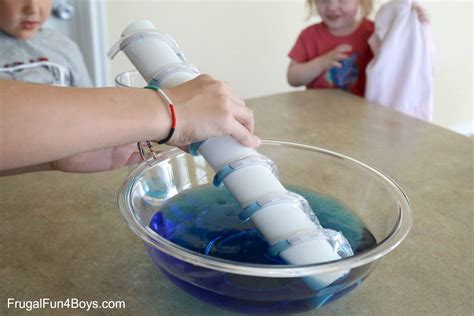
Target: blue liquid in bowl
205 220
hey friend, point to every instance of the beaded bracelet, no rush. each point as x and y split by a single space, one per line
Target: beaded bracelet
173 114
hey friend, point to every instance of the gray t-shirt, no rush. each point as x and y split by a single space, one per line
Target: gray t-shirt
48 58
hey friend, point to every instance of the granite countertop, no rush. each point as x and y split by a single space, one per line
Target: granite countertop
62 236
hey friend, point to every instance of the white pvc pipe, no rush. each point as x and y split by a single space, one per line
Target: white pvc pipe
152 56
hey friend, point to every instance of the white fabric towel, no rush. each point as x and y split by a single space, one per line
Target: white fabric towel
400 75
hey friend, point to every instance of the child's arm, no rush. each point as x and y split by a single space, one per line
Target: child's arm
300 74
95 161
43 123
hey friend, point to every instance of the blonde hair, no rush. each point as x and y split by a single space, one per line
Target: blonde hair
365 5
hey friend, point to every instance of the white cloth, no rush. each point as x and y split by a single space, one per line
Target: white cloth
400 75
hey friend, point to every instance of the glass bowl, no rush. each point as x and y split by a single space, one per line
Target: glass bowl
131 78
229 280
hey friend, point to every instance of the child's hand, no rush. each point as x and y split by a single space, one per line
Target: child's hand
333 58
207 108
100 160
421 12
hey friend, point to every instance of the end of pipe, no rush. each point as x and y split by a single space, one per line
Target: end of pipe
138 26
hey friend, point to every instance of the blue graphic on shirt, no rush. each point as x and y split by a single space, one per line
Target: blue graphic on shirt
342 77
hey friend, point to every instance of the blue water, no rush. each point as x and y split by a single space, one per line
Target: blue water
205 220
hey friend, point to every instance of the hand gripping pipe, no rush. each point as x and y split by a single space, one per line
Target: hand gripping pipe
282 217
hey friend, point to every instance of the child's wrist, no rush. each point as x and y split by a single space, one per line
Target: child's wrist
327 61
321 64
157 117
170 109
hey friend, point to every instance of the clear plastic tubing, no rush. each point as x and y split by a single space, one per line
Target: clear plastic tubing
278 214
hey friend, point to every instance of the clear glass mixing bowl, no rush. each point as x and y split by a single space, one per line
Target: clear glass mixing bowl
267 288
131 78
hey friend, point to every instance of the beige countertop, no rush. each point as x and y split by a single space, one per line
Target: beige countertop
61 235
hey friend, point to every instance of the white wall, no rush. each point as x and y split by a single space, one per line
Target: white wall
246 43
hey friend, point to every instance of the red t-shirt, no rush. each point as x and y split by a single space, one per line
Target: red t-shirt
316 40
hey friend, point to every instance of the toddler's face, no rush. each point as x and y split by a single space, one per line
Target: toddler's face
23 18
340 16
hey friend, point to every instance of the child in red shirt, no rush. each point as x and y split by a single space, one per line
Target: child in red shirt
335 52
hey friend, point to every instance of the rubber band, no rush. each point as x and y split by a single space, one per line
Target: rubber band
277 198
171 69
241 163
194 147
173 113
295 239
125 41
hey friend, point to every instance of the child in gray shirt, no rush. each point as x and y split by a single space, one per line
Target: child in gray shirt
31 53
